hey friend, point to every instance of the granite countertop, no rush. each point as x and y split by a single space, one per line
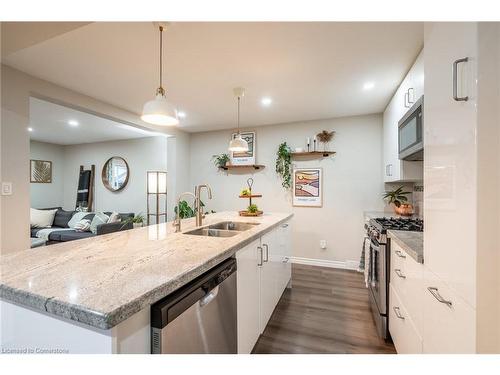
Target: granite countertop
411 242
103 280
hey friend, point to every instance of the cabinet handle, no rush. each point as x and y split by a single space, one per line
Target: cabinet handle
390 169
398 313
267 252
399 273
400 254
455 80
410 102
284 226
435 293
286 260
260 256
407 100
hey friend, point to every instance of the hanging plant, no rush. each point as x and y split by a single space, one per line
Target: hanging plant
283 165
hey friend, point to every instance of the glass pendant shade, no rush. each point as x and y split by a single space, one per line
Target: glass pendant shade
159 112
238 144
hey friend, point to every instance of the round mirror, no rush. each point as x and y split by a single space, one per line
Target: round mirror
115 174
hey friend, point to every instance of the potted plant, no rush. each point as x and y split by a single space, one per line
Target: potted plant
185 210
283 165
399 200
253 209
221 160
137 221
325 137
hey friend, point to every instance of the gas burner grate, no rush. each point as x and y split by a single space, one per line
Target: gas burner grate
409 224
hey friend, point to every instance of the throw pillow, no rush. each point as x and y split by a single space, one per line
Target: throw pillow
76 218
42 218
115 218
83 226
99 218
62 218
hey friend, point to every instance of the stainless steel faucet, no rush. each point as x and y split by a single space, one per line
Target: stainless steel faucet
199 209
177 221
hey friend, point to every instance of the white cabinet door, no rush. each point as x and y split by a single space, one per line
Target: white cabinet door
391 117
449 322
403 331
407 278
417 78
268 277
411 89
450 159
248 297
284 254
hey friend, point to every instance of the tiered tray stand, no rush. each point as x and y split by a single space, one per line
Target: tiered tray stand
249 197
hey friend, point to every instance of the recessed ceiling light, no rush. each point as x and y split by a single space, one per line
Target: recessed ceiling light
73 123
30 129
368 86
266 101
181 114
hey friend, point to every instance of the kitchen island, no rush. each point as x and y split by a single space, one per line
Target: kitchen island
94 295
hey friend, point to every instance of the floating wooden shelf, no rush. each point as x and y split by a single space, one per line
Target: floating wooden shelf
254 166
251 196
314 153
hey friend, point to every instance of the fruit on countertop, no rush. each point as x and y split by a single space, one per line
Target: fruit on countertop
245 192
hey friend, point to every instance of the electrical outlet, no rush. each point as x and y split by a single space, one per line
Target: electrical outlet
6 188
322 244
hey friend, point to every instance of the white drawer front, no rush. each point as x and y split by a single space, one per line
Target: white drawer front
447 328
407 278
403 332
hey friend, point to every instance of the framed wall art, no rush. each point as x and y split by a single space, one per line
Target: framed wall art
40 171
307 187
247 157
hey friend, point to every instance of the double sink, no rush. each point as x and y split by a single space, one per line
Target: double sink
222 229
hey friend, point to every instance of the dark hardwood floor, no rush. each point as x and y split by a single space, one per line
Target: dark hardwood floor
325 311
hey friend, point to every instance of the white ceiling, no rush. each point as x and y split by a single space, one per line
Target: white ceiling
50 123
310 70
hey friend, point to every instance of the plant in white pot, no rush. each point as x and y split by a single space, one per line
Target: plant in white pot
137 221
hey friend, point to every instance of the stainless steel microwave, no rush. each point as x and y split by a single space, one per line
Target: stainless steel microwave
410 133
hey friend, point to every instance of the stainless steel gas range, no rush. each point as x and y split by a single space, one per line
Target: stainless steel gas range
376 231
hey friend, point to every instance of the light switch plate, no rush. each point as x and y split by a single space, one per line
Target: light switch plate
6 188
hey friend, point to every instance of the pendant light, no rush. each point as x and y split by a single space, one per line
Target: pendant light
158 111
238 144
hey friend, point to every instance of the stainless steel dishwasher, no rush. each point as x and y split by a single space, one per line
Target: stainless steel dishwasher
200 317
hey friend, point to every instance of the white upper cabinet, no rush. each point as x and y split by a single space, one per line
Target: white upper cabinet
450 156
407 93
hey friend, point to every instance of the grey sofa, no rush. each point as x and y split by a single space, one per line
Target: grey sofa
62 218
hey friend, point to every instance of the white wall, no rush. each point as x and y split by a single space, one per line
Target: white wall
178 178
352 181
48 195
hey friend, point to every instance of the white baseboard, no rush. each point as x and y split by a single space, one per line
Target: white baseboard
346 265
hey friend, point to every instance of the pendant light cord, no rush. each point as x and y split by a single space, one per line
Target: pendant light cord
161 57
238 114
